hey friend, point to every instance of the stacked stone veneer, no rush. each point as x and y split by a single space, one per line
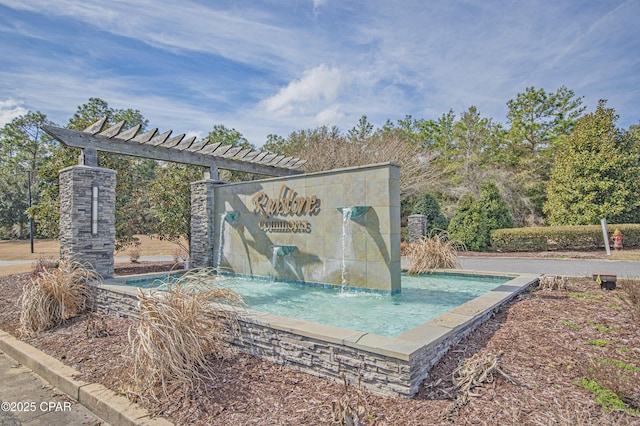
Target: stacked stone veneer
117 303
202 223
372 249
328 359
394 366
381 370
77 241
417 227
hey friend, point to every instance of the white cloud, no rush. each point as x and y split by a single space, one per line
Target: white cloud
329 116
10 109
317 87
257 68
246 34
318 3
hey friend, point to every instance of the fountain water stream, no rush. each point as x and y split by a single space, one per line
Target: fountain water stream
226 217
221 240
279 251
274 262
347 242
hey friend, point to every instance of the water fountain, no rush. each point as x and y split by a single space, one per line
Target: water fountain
355 212
277 251
226 217
301 318
348 213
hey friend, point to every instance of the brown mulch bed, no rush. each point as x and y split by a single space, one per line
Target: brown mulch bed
542 337
146 267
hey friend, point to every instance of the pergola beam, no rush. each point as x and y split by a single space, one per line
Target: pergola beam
176 149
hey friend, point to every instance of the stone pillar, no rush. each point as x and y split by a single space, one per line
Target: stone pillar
202 223
417 227
87 216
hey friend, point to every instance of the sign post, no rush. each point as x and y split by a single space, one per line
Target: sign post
605 234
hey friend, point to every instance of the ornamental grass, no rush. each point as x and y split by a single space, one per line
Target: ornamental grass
435 252
181 323
471 373
54 295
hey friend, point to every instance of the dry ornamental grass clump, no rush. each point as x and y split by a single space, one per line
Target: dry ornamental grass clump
435 252
134 254
474 372
349 410
55 295
553 282
178 328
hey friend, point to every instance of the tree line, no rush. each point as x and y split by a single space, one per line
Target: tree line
550 164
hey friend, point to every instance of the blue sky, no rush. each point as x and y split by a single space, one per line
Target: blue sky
275 66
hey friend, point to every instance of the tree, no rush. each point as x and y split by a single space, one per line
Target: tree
13 205
539 122
428 206
133 176
539 119
225 136
328 148
475 140
24 147
362 131
170 199
170 193
469 225
278 145
597 173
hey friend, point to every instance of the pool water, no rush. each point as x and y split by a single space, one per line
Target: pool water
423 297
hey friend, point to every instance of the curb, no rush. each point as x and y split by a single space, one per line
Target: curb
115 409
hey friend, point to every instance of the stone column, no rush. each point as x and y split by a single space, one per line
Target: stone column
87 216
202 223
417 227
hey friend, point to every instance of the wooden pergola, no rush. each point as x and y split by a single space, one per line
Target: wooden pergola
179 149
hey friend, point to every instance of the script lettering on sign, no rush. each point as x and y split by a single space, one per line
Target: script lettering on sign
287 203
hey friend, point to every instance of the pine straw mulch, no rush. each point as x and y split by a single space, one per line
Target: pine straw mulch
541 338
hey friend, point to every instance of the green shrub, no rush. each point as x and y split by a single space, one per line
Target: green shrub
543 238
475 219
470 225
498 215
428 206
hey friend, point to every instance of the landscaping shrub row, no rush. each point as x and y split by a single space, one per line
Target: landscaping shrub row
547 238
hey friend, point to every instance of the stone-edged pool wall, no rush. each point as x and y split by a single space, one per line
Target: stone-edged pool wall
388 365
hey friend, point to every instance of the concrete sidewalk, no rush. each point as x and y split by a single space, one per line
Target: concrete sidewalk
31 402
26 399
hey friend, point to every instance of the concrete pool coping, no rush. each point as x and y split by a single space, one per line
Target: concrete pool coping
402 347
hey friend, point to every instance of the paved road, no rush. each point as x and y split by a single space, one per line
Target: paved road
34 402
571 267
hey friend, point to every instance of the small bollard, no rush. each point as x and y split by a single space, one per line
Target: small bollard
607 280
